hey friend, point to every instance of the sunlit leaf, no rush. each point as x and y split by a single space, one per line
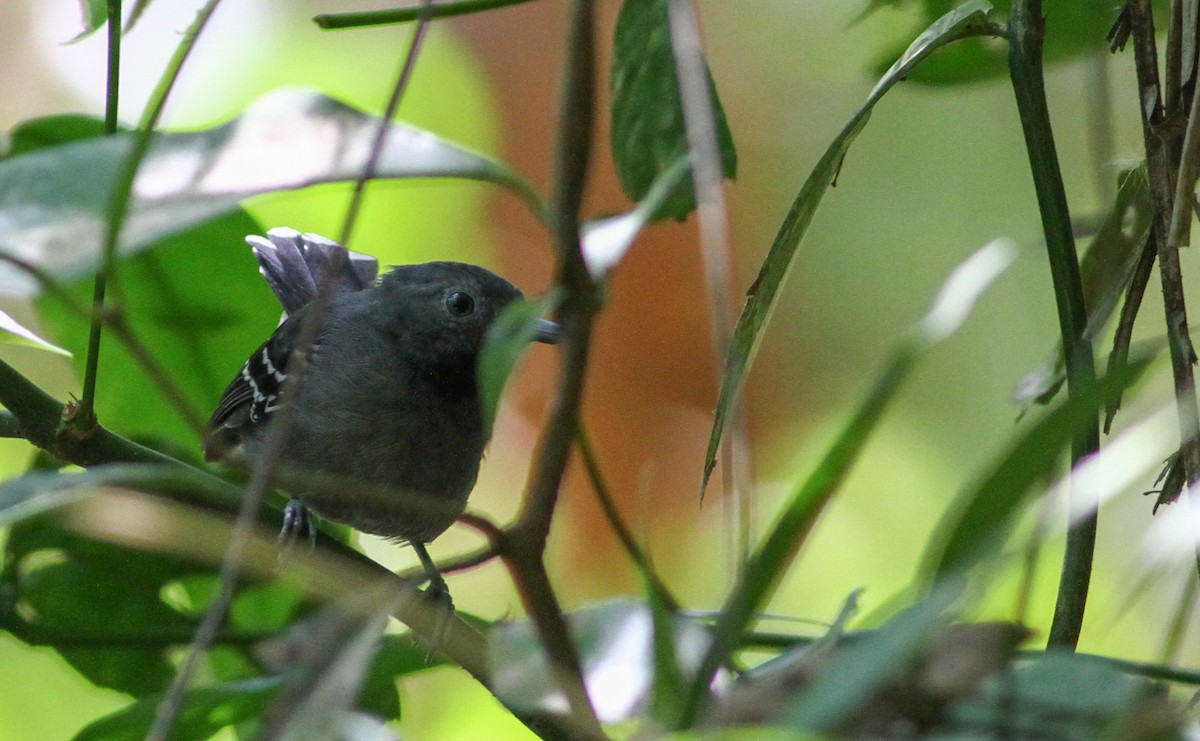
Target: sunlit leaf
648 133
53 202
971 19
15 333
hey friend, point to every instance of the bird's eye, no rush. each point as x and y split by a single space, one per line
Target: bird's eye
460 304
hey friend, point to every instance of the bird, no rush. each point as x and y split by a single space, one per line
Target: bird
385 431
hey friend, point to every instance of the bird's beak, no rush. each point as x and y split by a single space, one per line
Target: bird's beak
547 331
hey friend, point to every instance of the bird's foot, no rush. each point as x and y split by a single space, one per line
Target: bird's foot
438 597
297 521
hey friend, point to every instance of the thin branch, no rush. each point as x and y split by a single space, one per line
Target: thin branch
712 215
609 507
1027 29
86 410
524 544
403 77
1161 170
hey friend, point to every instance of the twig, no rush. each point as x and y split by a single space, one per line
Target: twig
84 418
609 507
524 544
1161 171
712 217
1026 31
407 65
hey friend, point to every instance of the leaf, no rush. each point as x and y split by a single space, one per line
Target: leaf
135 14
984 512
861 670
971 19
615 643
324 660
49 131
605 241
14 333
120 589
205 711
196 301
139 606
648 132
1105 270
94 14
1062 695
1074 28
770 561
397 656
53 202
503 347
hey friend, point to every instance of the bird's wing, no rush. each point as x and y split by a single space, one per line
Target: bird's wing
253 394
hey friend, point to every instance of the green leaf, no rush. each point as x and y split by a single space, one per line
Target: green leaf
205 711
49 131
1074 28
398 656
98 604
94 14
505 344
977 524
1066 696
15 333
197 302
135 14
53 202
1105 270
605 241
770 561
118 614
648 133
324 660
971 19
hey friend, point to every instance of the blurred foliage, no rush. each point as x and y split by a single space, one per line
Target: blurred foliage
284 664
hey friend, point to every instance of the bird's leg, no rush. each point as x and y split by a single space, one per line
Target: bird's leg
439 593
297 520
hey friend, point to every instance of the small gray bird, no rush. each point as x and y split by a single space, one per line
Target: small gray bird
387 422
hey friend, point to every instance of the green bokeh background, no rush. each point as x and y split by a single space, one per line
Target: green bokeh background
936 173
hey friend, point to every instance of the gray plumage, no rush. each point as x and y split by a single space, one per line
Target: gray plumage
388 404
